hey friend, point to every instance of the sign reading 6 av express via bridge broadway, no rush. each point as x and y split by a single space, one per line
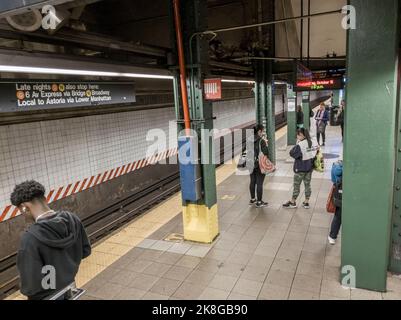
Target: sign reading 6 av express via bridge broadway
31 96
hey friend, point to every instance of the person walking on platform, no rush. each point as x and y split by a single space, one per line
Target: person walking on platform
53 246
300 117
340 117
255 144
303 153
336 178
322 116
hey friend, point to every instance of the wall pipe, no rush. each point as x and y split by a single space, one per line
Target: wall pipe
309 11
301 47
183 78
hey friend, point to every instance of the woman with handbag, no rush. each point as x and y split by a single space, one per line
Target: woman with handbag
303 153
336 178
322 116
256 144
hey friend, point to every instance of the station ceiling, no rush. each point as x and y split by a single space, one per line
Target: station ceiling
138 32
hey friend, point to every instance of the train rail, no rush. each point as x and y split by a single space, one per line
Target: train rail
103 222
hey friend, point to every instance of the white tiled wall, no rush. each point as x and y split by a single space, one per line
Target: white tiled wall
233 113
60 152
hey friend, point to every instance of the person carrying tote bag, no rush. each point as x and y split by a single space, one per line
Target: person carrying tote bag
303 153
257 150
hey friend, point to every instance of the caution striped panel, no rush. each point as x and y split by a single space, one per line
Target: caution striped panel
61 192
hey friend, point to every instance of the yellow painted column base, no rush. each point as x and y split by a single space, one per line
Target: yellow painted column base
200 223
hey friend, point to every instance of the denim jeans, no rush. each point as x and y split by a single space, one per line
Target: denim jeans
335 224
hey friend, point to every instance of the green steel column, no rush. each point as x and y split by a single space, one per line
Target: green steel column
336 97
369 153
264 102
200 218
306 109
395 253
291 116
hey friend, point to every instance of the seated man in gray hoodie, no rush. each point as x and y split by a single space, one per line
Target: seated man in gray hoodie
52 248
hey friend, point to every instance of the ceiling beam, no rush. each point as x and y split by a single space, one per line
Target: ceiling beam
84 40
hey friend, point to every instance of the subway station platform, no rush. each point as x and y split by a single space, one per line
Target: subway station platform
270 253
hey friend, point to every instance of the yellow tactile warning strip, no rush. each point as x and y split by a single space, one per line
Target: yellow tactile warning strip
123 240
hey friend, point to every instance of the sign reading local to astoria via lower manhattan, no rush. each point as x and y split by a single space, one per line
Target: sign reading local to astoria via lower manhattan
31 96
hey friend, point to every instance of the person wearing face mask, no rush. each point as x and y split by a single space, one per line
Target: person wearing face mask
55 239
255 144
303 153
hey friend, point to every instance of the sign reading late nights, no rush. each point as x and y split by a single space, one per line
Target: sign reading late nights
320 84
30 96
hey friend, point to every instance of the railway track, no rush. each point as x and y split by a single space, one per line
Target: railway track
103 222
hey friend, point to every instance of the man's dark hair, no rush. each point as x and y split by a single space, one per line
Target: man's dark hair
26 192
257 128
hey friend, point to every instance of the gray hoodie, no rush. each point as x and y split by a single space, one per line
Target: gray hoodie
59 241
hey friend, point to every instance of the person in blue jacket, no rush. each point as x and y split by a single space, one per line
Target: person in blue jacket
321 117
336 178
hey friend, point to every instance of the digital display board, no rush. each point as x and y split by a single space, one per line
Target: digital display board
320 84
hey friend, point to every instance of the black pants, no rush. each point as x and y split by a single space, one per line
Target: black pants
323 133
342 130
335 224
257 179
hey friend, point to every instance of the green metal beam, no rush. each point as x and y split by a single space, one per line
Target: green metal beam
291 116
194 19
369 153
306 109
264 102
336 98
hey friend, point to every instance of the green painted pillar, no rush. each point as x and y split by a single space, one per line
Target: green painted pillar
369 146
291 116
200 217
264 102
336 97
306 108
395 252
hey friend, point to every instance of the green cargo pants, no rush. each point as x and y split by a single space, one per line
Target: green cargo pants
306 177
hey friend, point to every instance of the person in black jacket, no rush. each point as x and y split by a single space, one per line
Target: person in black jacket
340 117
52 248
256 144
300 117
303 153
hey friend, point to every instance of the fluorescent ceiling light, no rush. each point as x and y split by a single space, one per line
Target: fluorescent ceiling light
39 70
17 69
238 81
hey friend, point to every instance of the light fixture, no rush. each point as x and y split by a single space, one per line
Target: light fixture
238 81
18 69
76 72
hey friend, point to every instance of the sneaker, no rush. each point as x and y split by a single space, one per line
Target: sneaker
261 204
290 205
306 205
252 202
331 240
323 144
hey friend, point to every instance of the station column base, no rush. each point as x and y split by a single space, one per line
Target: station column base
200 222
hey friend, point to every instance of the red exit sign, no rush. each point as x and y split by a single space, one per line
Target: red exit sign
212 89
